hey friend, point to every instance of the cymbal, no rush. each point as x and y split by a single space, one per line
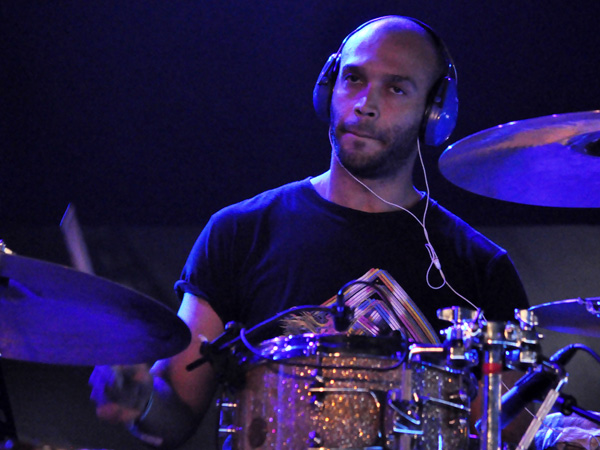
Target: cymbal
54 314
574 316
546 161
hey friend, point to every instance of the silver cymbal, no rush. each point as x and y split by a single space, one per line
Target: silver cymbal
574 316
546 161
57 315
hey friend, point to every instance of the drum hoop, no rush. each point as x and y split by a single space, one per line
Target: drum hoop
284 362
436 366
327 345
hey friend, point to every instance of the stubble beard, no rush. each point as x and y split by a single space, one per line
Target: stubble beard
399 146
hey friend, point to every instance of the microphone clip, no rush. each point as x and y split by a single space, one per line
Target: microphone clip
342 317
218 349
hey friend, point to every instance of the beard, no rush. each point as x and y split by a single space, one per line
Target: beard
398 147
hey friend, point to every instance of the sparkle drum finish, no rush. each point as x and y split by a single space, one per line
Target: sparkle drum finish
345 392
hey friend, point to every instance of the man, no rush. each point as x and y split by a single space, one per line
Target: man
298 244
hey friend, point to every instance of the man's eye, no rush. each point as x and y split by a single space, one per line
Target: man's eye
352 78
397 90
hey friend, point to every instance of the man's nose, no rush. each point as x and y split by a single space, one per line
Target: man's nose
367 104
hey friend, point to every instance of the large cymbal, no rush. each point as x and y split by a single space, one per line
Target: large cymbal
53 314
575 316
546 161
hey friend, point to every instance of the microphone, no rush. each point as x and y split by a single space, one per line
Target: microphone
535 385
342 314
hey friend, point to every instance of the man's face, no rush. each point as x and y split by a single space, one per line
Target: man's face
379 100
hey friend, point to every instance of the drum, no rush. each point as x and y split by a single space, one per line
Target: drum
346 392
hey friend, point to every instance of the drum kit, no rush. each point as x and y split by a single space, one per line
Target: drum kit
343 391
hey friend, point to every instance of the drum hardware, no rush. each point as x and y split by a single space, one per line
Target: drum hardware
527 340
297 384
543 382
494 344
410 406
357 391
410 411
593 306
314 440
460 337
503 345
316 391
408 419
236 336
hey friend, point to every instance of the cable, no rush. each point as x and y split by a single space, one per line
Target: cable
564 355
435 262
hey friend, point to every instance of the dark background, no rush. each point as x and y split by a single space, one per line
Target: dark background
150 116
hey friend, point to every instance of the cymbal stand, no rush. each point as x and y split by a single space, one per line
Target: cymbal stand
8 431
492 364
510 345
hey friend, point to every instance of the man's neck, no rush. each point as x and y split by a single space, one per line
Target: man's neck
338 186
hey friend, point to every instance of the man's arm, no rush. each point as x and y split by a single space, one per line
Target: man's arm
194 388
164 408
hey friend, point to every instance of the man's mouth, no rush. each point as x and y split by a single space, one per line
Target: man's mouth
360 133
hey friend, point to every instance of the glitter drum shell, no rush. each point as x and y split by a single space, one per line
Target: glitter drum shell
333 392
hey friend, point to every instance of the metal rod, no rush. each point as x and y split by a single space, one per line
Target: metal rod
493 363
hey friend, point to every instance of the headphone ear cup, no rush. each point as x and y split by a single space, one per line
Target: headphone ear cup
441 114
324 88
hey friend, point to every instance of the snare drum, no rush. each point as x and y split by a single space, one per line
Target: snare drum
344 392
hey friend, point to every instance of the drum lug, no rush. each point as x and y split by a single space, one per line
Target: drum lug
523 348
460 423
407 417
314 440
227 411
459 397
317 391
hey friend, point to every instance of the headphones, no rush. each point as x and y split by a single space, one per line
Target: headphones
441 111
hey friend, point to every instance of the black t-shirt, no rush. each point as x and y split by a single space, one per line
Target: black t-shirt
289 246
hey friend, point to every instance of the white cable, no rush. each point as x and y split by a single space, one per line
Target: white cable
429 246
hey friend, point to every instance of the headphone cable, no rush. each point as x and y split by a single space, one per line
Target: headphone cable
429 246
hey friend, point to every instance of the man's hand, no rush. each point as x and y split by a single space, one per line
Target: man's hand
121 392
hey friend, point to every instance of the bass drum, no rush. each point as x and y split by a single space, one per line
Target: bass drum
345 392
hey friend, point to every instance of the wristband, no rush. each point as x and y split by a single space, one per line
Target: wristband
166 421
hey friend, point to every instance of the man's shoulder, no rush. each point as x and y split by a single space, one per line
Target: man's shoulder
265 201
449 223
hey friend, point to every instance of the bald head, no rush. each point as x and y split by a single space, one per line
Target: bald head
404 32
